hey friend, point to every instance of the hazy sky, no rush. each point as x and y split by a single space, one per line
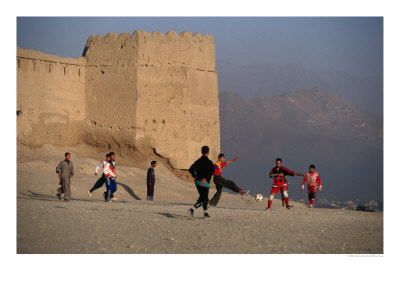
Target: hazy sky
351 44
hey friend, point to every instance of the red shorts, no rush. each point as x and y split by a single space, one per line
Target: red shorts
312 189
275 190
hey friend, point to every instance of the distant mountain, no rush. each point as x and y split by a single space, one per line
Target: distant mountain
251 81
310 126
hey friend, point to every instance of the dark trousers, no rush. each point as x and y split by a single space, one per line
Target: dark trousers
203 199
111 186
99 183
221 182
150 189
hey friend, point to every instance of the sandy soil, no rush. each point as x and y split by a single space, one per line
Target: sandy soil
133 225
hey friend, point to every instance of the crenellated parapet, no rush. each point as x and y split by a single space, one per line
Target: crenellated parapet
142 91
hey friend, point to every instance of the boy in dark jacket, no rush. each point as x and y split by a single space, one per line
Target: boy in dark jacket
202 171
151 180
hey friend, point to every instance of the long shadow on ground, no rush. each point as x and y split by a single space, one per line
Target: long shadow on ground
129 190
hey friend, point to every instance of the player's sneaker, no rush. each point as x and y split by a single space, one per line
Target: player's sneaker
89 193
311 206
207 216
289 206
244 194
114 198
190 212
58 197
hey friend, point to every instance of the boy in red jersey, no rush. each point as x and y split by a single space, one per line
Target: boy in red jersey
278 174
221 182
313 181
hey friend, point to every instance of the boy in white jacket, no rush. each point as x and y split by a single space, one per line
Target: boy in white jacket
99 183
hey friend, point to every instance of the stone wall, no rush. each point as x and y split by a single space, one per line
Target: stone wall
141 92
177 72
50 99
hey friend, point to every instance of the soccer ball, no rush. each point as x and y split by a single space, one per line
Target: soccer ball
259 197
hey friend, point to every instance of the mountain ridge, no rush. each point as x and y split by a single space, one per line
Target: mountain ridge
252 81
309 126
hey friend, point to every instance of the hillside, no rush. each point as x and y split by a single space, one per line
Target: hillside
310 126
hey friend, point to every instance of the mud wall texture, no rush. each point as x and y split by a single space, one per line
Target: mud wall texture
50 99
134 92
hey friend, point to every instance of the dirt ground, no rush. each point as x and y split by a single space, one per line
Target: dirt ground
131 224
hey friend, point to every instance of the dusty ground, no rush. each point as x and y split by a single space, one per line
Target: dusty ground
133 225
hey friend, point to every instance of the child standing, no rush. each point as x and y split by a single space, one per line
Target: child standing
151 180
313 181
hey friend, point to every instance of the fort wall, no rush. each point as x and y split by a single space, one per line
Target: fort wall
50 99
141 92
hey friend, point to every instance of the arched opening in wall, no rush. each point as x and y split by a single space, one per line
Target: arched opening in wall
19 63
34 66
50 68
65 71
79 72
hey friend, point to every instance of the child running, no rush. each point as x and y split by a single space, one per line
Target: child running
313 182
221 182
202 171
110 176
99 183
278 174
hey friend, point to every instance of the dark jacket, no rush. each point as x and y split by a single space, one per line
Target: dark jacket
151 176
202 168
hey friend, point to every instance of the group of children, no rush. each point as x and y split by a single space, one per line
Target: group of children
109 176
201 170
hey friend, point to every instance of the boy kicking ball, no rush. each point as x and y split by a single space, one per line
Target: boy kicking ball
313 181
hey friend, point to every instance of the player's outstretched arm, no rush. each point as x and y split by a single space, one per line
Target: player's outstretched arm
233 160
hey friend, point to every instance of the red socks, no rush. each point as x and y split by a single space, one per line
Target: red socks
312 202
287 201
269 204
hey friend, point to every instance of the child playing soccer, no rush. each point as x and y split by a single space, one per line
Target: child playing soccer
221 182
313 181
278 174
